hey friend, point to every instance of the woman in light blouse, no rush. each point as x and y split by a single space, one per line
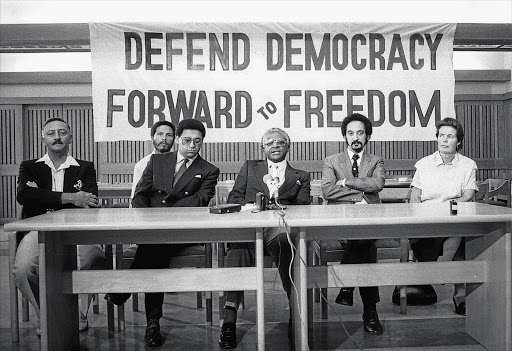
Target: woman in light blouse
443 176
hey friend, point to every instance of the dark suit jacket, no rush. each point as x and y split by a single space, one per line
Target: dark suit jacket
370 181
294 191
195 187
36 201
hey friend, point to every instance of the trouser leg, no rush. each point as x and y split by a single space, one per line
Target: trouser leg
26 269
89 257
238 255
279 248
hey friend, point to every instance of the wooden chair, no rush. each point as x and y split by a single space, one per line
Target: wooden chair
498 192
324 251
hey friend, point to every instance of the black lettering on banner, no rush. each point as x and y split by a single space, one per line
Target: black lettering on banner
223 111
289 107
237 65
290 51
323 56
216 51
331 108
351 107
203 110
151 51
152 110
403 111
131 108
415 108
415 38
433 46
344 52
191 52
169 40
397 48
357 65
317 110
239 95
111 108
181 107
128 38
278 40
372 94
377 39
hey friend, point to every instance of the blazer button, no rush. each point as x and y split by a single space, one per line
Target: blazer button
159 191
186 192
163 201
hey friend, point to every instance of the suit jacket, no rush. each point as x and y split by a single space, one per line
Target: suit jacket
36 201
294 191
195 187
370 181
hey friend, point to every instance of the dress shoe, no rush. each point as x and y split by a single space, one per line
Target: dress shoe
117 299
345 297
371 323
227 339
83 324
153 338
460 308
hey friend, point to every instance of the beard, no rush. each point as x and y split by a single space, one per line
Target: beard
162 146
356 146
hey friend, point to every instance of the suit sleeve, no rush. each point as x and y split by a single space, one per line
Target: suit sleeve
372 184
304 194
331 191
237 194
31 196
205 192
89 178
143 190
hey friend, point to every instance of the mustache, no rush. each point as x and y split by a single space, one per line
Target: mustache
57 142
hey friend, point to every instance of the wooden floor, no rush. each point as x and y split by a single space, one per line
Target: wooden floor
434 327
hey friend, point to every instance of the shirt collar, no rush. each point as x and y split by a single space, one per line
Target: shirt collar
281 164
439 160
70 161
352 153
181 157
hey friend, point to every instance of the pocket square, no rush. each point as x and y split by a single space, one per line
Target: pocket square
298 182
198 176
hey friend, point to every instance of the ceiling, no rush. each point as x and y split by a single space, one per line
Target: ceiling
74 37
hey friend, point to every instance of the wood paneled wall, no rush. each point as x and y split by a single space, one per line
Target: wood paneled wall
485 125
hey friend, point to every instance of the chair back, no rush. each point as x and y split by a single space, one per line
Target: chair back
498 192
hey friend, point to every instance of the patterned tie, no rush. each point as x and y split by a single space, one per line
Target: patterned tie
355 169
181 170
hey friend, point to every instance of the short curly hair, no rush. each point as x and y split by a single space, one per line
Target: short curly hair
368 127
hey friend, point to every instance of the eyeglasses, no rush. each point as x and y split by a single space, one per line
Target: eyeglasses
187 141
277 142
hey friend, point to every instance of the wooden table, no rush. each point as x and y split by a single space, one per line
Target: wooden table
488 268
61 231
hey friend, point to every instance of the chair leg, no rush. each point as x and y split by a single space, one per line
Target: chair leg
135 302
110 318
199 299
15 327
209 311
120 318
221 251
404 257
95 304
24 309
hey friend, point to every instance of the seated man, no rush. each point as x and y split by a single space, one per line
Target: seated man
193 185
53 182
293 188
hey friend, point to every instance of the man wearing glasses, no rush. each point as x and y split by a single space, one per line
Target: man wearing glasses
293 188
175 179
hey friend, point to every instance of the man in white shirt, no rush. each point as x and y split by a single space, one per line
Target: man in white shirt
53 182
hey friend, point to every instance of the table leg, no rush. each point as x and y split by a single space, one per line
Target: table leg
489 305
59 310
260 302
300 305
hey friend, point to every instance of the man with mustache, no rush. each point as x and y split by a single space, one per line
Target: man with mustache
355 177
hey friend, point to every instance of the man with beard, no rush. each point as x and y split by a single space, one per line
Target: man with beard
355 177
162 136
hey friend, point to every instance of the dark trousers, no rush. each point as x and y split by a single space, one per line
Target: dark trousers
363 251
243 255
150 256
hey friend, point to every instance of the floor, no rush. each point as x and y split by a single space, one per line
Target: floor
435 327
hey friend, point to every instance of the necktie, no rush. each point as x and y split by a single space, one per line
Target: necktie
181 170
355 169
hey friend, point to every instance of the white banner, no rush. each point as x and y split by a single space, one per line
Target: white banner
241 79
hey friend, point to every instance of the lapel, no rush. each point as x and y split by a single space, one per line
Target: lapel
70 178
290 178
366 162
346 165
44 175
259 170
192 170
169 167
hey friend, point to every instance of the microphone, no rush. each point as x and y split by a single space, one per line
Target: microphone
273 186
